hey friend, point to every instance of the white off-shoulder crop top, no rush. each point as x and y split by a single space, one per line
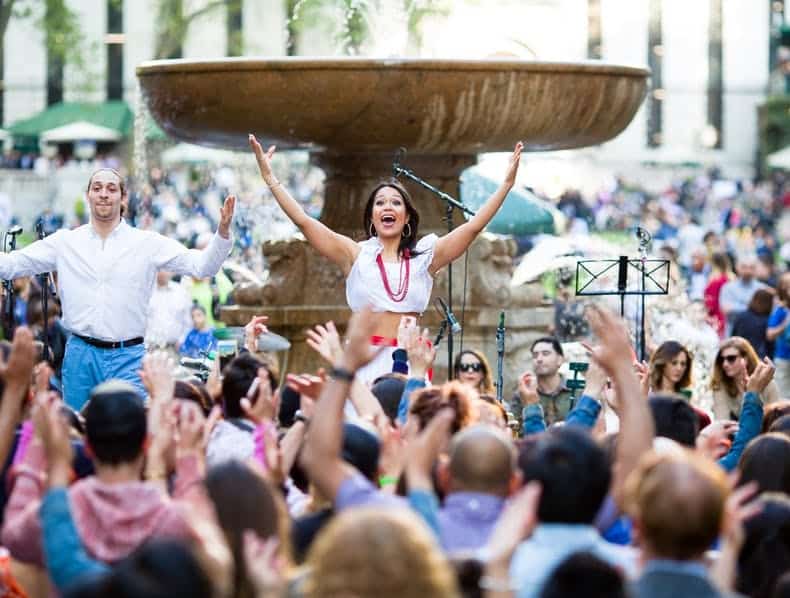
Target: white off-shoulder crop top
365 287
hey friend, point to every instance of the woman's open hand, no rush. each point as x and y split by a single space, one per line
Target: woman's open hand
264 159
512 167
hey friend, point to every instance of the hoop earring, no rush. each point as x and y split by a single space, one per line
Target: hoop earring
404 233
372 230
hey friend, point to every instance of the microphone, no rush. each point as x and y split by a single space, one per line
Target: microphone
644 236
448 315
399 155
15 230
194 364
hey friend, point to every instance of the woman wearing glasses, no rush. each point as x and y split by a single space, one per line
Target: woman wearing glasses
735 361
471 368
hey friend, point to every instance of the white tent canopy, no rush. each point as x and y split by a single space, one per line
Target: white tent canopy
4 134
780 159
80 131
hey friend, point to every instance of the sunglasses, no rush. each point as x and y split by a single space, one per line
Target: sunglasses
470 367
730 358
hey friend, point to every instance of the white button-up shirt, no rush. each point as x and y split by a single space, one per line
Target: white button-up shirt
105 285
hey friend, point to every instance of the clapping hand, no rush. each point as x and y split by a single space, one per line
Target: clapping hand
421 352
358 351
761 376
253 329
260 404
528 389
325 341
52 428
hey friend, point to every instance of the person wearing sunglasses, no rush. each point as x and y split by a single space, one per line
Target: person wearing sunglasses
471 368
735 362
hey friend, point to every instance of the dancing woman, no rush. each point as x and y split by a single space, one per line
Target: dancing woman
392 270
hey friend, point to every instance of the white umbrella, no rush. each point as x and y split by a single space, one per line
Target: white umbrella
80 131
780 159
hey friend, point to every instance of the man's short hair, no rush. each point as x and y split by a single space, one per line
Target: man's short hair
481 460
237 377
115 423
584 574
668 484
674 418
551 340
573 470
197 306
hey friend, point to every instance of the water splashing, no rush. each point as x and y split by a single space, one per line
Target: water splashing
140 153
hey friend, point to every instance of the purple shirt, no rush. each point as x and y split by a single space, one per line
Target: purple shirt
358 491
467 519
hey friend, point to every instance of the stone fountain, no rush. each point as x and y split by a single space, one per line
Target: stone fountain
351 114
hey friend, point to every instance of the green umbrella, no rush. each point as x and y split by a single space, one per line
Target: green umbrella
523 212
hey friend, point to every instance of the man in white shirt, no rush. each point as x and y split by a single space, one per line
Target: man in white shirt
736 294
106 272
169 317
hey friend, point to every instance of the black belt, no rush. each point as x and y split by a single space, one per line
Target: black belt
97 342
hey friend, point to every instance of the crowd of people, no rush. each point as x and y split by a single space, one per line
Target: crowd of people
126 477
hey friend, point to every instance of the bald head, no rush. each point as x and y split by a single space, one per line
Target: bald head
482 459
667 484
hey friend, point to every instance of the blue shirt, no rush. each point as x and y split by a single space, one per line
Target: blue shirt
551 543
198 342
467 519
782 342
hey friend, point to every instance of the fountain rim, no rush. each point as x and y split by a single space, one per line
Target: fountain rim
298 63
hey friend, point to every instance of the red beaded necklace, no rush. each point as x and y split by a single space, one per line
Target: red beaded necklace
403 284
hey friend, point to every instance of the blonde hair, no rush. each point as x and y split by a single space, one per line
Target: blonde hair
383 553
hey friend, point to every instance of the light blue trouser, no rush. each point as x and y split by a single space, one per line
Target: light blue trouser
85 366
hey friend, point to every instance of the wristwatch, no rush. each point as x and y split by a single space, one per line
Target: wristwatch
342 374
301 417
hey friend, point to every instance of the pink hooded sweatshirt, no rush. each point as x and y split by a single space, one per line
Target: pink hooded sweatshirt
112 519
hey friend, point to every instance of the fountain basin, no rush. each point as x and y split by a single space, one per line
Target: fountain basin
360 105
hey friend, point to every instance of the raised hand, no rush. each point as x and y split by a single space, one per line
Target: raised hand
17 372
714 439
421 352
528 389
52 428
423 449
264 159
614 352
157 375
642 371
358 351
512 167
191 429
761 376
325 341
265 566
253 329
226 216
307 385
515 524
260 405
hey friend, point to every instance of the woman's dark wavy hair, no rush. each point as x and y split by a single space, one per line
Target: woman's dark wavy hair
409 241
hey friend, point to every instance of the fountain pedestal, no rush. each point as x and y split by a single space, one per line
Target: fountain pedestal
352 114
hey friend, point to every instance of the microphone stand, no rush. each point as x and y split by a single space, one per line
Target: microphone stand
500 357
43 280
451 204
9 245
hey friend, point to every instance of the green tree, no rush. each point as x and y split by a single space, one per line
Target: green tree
173 24
353 29
60 25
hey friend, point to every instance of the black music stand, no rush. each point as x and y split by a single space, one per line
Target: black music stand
652 279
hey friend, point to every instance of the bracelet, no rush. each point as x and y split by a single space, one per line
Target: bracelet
387 480
342 374
301 417
492 584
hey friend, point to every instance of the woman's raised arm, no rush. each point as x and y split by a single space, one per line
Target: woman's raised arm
335 247
453 244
